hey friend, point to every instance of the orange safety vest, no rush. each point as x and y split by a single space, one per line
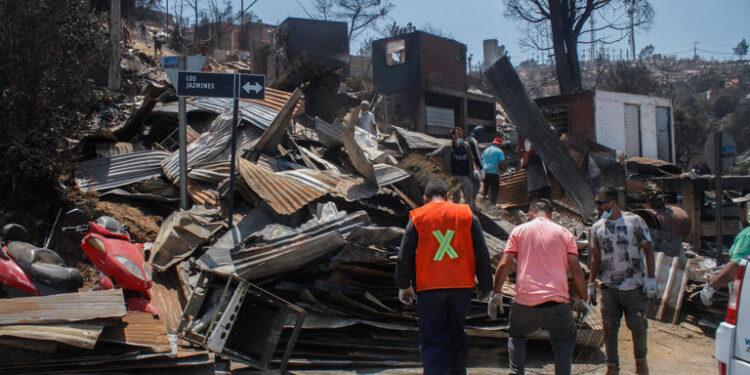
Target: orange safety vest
445 250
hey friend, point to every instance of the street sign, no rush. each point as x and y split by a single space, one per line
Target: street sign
728 151
221 85
214 85
252 86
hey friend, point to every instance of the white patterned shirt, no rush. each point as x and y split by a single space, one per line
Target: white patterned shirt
620 242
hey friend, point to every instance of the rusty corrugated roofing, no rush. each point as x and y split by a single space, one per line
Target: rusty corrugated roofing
141 330
66 307
285 195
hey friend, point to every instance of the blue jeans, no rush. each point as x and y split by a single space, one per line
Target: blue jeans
556 319
442 339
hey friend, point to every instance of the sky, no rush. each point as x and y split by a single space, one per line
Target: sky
717 25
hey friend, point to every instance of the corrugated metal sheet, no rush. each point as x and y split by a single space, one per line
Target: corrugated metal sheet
337 184
294 250
212 146
210 172
254 113
419 141
285 195
80 335
275 100
531 123
141 330
120 170
389 174
66 307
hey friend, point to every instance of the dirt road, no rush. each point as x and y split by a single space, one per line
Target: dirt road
672 350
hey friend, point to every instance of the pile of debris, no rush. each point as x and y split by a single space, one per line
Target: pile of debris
308 264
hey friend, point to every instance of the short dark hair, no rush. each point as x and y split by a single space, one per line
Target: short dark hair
541 204
456 130
608 191
436 188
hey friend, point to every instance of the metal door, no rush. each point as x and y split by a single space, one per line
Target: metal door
633 130
663 134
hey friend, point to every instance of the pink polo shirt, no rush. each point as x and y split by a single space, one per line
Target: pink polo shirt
541 248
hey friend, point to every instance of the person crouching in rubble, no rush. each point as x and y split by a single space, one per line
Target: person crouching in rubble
366 119
537 183
545 252
457 160
442 249
739 250
623 261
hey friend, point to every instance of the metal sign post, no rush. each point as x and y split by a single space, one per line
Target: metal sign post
233 156
182 118
222 85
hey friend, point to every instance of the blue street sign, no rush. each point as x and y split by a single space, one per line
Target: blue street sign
215 85
252 86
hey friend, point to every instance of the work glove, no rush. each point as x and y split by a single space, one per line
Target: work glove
485 296
581 309
591 290
407 296
495 305
707 293
649 287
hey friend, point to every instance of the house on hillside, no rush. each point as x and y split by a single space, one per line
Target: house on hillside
324 44
424 83
638 125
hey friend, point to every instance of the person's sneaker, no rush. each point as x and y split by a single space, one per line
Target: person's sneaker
641 367
613 369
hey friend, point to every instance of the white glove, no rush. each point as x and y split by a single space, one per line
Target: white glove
581 309
707 293
495 305
649 287
407 296
479 174
591 290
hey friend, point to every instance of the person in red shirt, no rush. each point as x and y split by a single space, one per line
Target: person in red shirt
545 252
441 251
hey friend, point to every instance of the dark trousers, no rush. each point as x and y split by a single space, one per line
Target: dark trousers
556 319
442 339
632 303
492 186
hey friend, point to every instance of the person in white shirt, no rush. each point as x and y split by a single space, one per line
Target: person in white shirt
366 120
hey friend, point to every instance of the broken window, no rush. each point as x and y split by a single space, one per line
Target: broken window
395 51
557 116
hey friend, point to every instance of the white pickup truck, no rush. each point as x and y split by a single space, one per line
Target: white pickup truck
733 335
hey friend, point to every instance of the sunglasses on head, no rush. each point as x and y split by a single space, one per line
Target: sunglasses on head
599 203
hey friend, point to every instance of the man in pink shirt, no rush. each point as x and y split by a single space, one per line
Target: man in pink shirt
545 251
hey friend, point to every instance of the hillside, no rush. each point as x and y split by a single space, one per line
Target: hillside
707 95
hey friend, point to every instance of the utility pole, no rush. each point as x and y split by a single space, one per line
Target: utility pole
166 15
631 13
593 40
113 82
695 50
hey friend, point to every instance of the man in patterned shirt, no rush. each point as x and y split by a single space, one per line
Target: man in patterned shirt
621 259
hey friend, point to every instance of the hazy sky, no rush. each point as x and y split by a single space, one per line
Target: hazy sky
718 25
